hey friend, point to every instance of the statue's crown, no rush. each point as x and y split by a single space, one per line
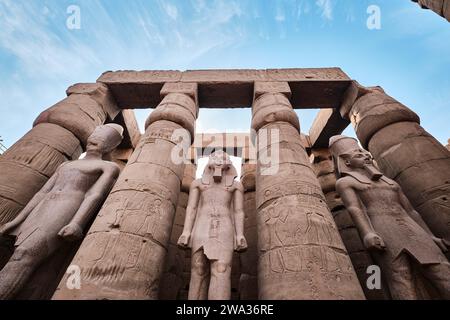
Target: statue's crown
342 144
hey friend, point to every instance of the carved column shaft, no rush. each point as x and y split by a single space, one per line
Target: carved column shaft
58 134
123 254
323 166
174 271
248 283
301 255
405 152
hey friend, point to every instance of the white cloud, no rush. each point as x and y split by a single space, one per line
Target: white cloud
171 11
326 7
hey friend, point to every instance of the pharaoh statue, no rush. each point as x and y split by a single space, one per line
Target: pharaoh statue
61 210
400 241
213 228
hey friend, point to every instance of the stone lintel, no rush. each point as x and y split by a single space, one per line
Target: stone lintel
131 134
311 88
328 123
236 144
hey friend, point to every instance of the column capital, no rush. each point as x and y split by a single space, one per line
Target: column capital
353 93
263 87
100 93
188 88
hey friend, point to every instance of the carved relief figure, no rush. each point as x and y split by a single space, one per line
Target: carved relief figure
213 228
61 210
389 226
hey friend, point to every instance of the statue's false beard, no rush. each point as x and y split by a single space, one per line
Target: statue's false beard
373 172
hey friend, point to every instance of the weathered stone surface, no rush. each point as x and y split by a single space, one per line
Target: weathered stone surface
318 88
175 265
59 213
407 153
322 163
272 87
301 255
78 113
132 134
327 123
376 110
214 229
123 254
248 283
264 112
30 162
100 93
389 226
189 176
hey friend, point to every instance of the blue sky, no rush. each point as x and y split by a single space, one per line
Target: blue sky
40 57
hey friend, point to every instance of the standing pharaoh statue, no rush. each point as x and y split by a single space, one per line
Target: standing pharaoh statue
389 226
61 210
213 228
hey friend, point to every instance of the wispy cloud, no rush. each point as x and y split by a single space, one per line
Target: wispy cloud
326 7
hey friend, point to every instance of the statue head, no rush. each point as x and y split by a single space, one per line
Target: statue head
348 157
105 138
219 167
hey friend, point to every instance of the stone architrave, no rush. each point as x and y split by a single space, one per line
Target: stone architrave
301 255
405 152
123 254
389 226
322 163
214 228
61 210
59 134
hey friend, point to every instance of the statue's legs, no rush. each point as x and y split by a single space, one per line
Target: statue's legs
220 283
25 259
400 279
198 286
438 274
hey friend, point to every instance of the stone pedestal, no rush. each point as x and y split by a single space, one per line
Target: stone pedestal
59 134
323 166
301 255
123 254
405 152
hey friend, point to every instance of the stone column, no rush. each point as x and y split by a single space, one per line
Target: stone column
58 134
323 166
301 255
123 254
248 283
120 157
405 152
173 279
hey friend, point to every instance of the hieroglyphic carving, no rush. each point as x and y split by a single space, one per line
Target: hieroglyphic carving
301 255
406 153
323 166
123 254
60 211
388 224
214 228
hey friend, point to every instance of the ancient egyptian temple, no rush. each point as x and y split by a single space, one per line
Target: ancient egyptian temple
302 241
